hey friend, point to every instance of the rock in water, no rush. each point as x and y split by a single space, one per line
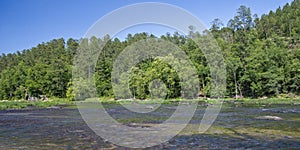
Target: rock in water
269 117
150 107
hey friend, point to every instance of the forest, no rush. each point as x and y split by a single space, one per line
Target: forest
262 56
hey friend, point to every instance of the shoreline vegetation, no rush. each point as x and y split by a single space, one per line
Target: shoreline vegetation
60 103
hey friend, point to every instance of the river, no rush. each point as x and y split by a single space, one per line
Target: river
237 127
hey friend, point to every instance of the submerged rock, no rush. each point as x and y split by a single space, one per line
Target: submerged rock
55 107
281 110
269 117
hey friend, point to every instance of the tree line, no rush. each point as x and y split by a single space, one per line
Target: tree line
262 56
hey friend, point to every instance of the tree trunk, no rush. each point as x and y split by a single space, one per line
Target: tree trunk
236 86
239 87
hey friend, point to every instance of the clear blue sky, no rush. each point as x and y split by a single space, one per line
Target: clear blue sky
26 23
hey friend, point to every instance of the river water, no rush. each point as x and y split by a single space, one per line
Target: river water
237 127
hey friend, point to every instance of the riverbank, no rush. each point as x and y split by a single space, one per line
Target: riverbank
22 104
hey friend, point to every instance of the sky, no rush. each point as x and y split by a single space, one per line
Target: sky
26 23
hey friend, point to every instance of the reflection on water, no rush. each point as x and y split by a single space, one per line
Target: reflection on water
236 127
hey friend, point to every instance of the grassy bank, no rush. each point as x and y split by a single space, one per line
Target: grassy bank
268 101
236 102
21 104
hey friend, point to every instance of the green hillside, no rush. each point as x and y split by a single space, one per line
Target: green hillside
262 56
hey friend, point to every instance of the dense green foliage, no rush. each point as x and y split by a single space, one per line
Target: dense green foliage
262 57
42 70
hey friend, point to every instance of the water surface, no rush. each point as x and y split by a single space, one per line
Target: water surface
237 127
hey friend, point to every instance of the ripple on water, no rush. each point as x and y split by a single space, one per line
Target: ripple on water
235 127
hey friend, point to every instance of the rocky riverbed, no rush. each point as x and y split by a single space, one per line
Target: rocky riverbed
237 127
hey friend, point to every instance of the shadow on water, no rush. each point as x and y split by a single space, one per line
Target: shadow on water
235 128
208 141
